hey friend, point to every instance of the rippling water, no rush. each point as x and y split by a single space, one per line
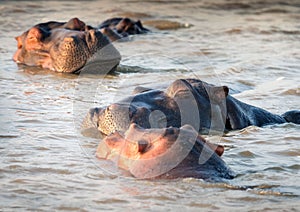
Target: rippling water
251 46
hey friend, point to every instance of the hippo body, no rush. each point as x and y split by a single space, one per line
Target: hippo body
186 101
241 115
165 153
66 47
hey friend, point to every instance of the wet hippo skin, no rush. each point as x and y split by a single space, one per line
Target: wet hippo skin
186 101
164 153
65 47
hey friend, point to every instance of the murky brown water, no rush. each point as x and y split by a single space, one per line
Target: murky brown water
47 165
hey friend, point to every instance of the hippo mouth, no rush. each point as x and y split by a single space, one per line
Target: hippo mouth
66 47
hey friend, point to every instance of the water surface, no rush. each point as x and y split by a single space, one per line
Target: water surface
252 47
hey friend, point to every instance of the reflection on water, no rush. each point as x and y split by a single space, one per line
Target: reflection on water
253 47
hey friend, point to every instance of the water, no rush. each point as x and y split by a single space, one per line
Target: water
253 47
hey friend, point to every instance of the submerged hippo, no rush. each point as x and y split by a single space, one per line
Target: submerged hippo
117 28
165 153
206 107
66 47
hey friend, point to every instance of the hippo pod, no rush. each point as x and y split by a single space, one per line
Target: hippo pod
164 153
207 108
66 47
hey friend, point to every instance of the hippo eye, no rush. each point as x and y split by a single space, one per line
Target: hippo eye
142 146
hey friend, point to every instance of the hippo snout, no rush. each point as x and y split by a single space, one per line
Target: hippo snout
89 126
115 117
75 49
91 119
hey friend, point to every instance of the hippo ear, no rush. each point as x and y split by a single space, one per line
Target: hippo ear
178 88
19 40
139 24
34 38
34 33
75 24
218 93
218 149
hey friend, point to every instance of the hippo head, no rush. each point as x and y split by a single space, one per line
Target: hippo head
149 109
117 28
166 152
65 47
186 101
129 26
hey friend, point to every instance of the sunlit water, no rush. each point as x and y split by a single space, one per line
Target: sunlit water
47 164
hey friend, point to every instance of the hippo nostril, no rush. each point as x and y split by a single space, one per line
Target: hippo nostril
142 145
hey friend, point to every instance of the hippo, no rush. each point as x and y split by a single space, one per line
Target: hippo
118 28
206 107
165 153
66 47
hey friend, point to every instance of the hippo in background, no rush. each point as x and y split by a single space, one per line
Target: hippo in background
165 153
66 47
207 108
73 46
118 28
